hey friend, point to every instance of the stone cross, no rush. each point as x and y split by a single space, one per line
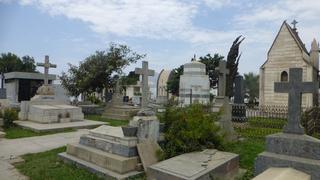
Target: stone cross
223 72
145 72
46 66
295 87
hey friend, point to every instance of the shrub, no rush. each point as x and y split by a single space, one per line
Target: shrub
190 129
9 115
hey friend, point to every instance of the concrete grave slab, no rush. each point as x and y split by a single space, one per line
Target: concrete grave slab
207 164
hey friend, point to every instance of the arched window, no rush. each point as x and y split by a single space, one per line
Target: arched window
284 76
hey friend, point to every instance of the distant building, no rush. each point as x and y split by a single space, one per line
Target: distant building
288 51
162 94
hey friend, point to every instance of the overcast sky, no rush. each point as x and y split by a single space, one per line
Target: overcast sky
168 31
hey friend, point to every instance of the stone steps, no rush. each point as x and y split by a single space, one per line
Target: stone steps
103 159
101 172
109 146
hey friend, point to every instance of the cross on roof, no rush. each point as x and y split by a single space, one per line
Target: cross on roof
46 66
145 72
223 72
295 87
294 23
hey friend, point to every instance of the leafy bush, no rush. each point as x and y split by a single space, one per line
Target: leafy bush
9 115
92 98
190 129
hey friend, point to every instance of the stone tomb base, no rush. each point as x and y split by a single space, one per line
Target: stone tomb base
208 164
120 112
301 152
39 127
54 113
106 152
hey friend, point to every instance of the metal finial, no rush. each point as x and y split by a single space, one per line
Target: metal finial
294 23
194 58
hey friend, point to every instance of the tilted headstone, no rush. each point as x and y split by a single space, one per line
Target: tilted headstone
223 72
145 72
295 87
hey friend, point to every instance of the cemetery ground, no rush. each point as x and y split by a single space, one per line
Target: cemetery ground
47 165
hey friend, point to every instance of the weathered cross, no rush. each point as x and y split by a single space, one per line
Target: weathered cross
46 66
295 87
223 72
145 72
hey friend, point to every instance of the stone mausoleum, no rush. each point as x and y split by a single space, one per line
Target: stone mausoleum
194 84
22 86
288 51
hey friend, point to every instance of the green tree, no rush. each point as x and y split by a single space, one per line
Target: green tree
98 70
10 62
232 64
28 64
173 82
251 82
130 79
211 64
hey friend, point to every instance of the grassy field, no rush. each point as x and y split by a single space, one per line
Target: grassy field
112 122
17 132
47 165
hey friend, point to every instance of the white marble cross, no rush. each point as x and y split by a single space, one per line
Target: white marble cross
295 87
145 72
46 66
223 72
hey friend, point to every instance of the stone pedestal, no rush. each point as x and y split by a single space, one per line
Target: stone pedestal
105 151
208 164
301 152
120 112
222 104
148 127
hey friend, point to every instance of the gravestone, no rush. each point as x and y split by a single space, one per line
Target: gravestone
145 73
223 103
3 91
292 148
238 107
208 164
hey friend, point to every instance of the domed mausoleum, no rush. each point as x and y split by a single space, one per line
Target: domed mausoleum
194 84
